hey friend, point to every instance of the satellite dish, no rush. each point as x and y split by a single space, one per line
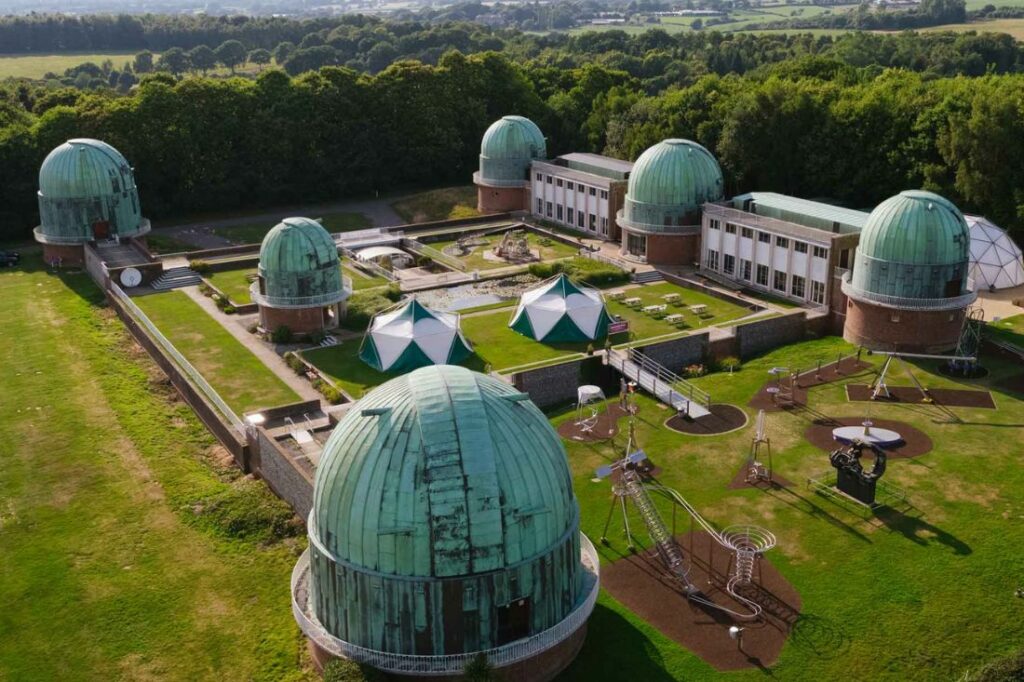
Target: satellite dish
130 277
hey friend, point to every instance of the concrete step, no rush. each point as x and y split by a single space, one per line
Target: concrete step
647 277
174 278
329 341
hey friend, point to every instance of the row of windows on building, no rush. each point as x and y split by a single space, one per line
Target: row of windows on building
569 216
766 238
780 280
570 185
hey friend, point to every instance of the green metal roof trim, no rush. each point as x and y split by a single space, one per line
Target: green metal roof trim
804 212
668 185
507 149
914 245
84 183
299 260
468 473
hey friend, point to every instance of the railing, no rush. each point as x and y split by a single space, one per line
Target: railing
191 372
765 223
301 301
668 548
421 249
598 256
672 380
367 264
445 664
903 303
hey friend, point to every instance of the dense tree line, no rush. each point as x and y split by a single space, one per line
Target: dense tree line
814 125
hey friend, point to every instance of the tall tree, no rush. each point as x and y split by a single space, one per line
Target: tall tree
231 53
202 58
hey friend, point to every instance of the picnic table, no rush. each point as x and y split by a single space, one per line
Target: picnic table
699 309
670 298
634 301
652 309
617 295
673 318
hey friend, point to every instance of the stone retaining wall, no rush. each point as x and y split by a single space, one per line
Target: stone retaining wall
283 475
760 336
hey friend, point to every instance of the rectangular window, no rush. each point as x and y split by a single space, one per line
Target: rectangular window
844 258
558 212
549 179
568 184
797 287
780 281
579 219
604 194
593 191
817 292
581 188
747 233
558 182
820 252
745 267
762 275
712 260
549 209
539 177
713 225
593 222
730 228
540 207
800 247
764 238
729 264
782 242
569 218
604 226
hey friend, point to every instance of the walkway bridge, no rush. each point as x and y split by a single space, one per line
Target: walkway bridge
656 379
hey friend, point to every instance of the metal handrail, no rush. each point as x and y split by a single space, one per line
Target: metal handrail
421 249
903 303
191 372
301 301
445 664
368 264
669 377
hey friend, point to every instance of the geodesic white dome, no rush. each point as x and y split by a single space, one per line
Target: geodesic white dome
996 261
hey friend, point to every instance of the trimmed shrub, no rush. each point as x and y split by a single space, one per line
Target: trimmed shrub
583 270
729 364
694 371
200 266
329 392
205 289
341 670
478 669
295 362
282 334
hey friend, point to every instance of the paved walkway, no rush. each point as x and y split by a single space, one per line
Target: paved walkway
1000 303
274 362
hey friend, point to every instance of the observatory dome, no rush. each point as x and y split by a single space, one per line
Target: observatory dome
913 245
669 184
299 265
87 191
444 519
507 149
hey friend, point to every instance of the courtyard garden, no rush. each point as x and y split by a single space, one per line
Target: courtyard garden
474 258
235 281
235 373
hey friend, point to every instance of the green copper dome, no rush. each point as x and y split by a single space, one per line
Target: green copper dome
668 185
507 149
299 266
913 245
442 492
87 191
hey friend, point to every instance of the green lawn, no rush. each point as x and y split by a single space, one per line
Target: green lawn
121 552
437 204
235 282
253 233
1010 329
550 249
235 373
38 65
920 595
362 280
643 326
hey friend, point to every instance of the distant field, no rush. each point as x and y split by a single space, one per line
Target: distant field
37 66
1015 27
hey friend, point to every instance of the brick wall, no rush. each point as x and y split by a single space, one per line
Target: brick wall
287 479
679 353
556 384
758 337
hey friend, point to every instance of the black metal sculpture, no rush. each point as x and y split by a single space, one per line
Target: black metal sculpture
851 477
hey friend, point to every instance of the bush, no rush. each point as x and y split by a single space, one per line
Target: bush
330 393
694 371
729 364
583 270
253 328
295 362
282 334
341 670
363 305
205 289
229 309
478 669
200 266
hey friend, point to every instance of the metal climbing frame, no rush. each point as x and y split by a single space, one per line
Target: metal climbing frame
761 445
970 339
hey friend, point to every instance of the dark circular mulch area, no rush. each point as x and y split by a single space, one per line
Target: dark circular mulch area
605 428
914 444
976 372
723 418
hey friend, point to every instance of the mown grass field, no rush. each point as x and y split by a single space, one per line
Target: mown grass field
926 594
235 373
235 282
1014 27
38 65
437 204
129 549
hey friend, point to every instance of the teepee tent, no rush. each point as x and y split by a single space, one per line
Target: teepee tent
996 261
559 311
410 336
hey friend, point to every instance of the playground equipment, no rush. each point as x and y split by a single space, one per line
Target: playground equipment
747 543
851 478
880 387
761 445
515 246
588 403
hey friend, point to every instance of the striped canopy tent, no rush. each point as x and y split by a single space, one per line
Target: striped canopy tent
560 311
996 261
411 335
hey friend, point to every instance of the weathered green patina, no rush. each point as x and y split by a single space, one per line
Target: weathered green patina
668 185
299 263
914 245
507 149
87 191
443 503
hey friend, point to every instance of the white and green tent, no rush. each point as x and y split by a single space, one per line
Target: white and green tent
410 335
561 311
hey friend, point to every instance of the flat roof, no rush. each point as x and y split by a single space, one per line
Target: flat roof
598 161
573 174
813 214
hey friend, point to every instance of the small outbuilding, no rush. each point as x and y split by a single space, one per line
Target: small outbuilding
561 311
87 193
996 261
411 336
300 285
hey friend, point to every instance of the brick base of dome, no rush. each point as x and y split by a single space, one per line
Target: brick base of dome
668 249
908 331
502 199
299 320
541 668
67 254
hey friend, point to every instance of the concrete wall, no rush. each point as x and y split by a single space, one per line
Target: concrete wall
678 353
758 337
287 479
556 384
